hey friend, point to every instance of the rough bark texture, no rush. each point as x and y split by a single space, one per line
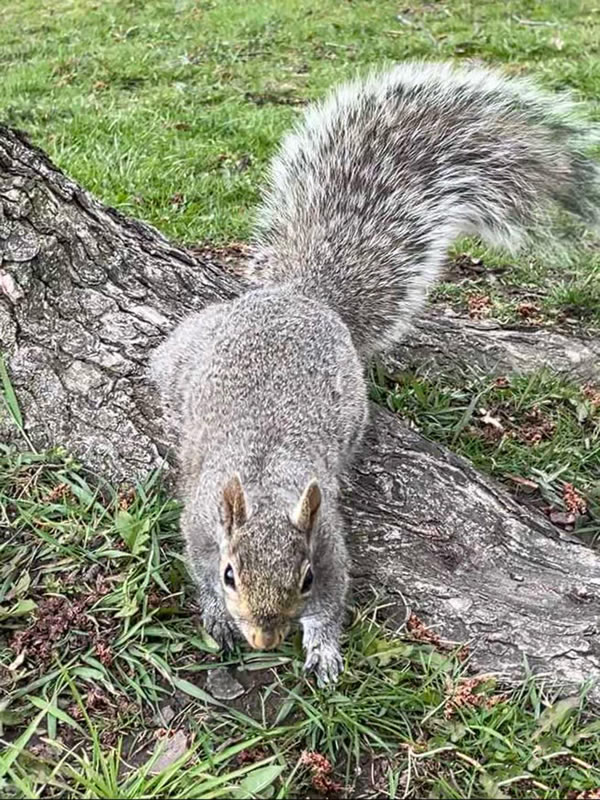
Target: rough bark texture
449 342
84 295
474 563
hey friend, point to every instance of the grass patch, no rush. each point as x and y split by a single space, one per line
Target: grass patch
103 672
538 434
170 109
532 292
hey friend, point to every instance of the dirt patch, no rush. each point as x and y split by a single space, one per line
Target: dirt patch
233 257
110 709
253 702
64 622
465 267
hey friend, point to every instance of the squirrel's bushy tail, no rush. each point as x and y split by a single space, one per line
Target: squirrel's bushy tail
368 192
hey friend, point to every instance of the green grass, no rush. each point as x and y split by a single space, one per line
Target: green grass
531 291
170 111
538 428
97 635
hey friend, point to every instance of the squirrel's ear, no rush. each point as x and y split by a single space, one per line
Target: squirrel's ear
234 503
305 512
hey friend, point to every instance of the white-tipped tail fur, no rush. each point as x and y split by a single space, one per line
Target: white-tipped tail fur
374 184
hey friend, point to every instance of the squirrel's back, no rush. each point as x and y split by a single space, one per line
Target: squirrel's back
368 192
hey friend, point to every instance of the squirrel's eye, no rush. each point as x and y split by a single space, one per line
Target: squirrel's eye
228 577
308 581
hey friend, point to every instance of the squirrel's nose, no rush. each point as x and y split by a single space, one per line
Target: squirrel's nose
265 640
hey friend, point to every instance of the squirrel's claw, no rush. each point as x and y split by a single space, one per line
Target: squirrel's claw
221 631
326 662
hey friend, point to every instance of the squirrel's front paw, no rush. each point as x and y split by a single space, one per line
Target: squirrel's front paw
220 628
326 661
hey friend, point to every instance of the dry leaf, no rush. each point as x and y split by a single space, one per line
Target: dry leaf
171 748
525 482
487 419
562 518
527 309
480 305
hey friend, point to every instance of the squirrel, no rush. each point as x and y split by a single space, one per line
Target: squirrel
268 392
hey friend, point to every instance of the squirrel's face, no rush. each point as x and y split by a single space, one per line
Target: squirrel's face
266 573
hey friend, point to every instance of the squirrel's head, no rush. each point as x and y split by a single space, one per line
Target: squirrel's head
266 572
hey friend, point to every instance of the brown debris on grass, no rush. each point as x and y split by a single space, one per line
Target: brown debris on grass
126 498
592 394
60 492
493 429
464 694
479 305
463 653
104 653
421 633
321 769
110 707
573 500
56 618
251 755
177 200
529 311
535 429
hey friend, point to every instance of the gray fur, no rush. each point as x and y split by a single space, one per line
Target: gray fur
375 183
364 199
255 388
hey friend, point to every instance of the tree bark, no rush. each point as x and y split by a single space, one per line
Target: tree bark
85 293
450 342
471 561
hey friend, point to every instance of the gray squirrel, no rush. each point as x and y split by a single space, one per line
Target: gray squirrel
268 391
